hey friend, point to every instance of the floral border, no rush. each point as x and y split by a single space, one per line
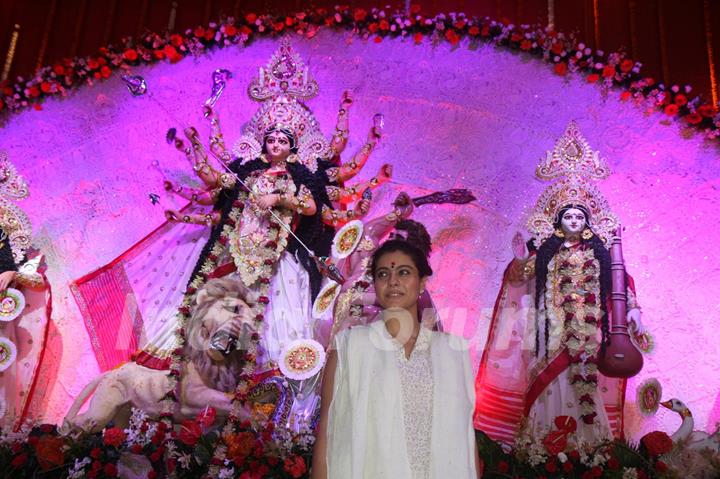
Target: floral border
565 52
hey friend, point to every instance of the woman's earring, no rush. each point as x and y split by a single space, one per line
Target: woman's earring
292 158
559 233
587 234
263 158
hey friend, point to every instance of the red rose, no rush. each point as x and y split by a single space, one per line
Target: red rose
567 467
171 53
590 298
515 37
373 27
592 78
93 64
613 463
561 68
190 432
230 30
176 39
525 45
708 111
551 467
152 474
33 92
460 24
608 71
384 25
136 449
626 95
474 31
206 418
557 48
485 32
199 32
680 99
295 466
130 55
110 470
158 54
452 36
574 455
50 452
672 109
105 71
95 453
626 65
693 118
657 443
209 34
360 14
20 460
417 38
113 437
250 18
503 467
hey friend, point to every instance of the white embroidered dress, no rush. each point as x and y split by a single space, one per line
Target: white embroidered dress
401 418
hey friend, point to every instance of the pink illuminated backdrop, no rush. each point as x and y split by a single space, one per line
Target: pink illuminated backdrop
454 118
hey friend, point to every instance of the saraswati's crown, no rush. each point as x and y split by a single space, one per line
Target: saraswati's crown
577 164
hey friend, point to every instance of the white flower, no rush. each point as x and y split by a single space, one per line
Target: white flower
629 473
78 470
227 473
562 457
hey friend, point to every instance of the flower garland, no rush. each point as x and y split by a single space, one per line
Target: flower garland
270 251
565 52
577 271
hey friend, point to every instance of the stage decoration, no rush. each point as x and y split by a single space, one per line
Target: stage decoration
12 304
302 359
644 342
219 77
559 454
326 298
14 223
566 53
648 396
572 160
347 239
8 353
152 449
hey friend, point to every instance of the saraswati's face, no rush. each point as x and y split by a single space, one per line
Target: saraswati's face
573 221
277 145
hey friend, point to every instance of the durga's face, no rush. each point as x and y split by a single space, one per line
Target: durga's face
573 221
277 145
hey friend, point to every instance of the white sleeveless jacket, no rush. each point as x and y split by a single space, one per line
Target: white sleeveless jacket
366 434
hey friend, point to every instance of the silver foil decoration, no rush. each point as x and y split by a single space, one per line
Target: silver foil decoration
135 84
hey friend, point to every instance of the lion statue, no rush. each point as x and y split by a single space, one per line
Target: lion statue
208 376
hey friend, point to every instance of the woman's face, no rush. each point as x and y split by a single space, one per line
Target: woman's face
573 221
397 281
277 145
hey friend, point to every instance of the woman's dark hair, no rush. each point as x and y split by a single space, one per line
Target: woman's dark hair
416 245
310 229
285 131
549 249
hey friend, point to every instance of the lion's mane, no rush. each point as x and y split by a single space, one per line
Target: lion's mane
222 376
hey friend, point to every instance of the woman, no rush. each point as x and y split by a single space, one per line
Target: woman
397 397
541 358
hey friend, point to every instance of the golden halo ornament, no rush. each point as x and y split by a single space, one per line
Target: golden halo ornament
326 298
648 396
12 303
8 353
347 239
302 359
644 342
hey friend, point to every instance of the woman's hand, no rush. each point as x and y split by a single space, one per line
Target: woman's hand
519 248
385 173
267 201
6 278
362 208
403 206
634 322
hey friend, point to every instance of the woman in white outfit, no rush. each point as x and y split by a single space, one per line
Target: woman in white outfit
397 398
